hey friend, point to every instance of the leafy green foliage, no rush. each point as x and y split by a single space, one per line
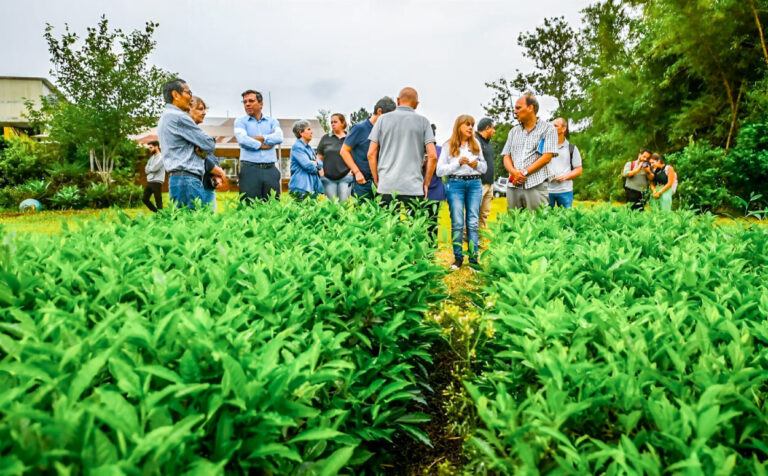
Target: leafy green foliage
20 162
625 343
284 338
705 177
107 90
746 166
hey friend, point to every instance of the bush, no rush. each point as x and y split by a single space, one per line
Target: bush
66 198
125 195
746 166
701 177
97 195
20 162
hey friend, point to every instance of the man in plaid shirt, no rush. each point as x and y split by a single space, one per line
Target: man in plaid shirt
529 148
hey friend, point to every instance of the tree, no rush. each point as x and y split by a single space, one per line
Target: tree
106 90
361 115
553 49
323 116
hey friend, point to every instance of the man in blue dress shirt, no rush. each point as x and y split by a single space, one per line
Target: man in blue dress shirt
257 135
184 144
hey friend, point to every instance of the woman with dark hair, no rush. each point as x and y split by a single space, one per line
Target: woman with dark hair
305 166
336 178
664 183
461 160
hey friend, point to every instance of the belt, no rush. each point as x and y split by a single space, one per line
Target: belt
184 172
259 165
464 177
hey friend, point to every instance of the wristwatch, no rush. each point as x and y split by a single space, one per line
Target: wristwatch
525 172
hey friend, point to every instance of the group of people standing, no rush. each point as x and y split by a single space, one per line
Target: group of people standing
394 150
649 172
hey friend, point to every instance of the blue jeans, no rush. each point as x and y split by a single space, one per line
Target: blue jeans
183 189
209 196
340 189
464 197
564 199
364 190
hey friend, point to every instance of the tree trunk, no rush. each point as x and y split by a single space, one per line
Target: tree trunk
734 118
760 30
104 165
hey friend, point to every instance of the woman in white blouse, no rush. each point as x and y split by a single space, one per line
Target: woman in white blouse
461 160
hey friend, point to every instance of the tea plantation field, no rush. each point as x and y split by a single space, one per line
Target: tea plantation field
313 338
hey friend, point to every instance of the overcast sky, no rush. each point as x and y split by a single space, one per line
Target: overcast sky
310 54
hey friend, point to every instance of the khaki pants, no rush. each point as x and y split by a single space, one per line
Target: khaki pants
485 204
531 198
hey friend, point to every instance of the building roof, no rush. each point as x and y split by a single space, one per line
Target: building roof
45 81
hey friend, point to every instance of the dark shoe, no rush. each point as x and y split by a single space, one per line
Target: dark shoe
457 264
473 264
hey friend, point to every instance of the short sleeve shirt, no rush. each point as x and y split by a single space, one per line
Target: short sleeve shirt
526 148
402 136
333 165
358 141
562 164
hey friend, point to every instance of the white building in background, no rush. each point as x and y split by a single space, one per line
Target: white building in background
14 90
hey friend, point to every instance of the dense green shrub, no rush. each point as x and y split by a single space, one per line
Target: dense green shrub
702 177
66 198
624 343
21 162
285 338
746 165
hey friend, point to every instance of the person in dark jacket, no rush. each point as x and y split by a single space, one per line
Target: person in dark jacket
435 195
485 131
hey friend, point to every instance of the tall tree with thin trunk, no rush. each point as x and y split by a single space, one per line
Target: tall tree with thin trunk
106 90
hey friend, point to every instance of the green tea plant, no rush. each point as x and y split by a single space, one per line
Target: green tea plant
283 338
625 343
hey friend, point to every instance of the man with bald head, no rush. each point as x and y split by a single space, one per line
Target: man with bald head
563 168
399 141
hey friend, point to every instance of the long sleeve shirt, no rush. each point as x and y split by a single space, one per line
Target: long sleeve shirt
154 169
448 165
251 149
304 169
179 135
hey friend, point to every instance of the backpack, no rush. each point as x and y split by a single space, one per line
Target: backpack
571 148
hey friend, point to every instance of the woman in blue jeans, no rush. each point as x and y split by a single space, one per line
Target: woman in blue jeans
336 177
461 161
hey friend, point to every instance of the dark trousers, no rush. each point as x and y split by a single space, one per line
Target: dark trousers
156 189
635 199
257 182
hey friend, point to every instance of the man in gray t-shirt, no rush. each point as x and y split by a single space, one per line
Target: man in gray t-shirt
399 141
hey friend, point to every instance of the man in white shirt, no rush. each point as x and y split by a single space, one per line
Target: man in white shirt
563 168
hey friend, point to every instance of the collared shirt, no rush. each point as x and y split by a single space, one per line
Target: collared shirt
562 164
402 136
250 149
304 172
488 154
449 165
179 135
358 142
526 148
